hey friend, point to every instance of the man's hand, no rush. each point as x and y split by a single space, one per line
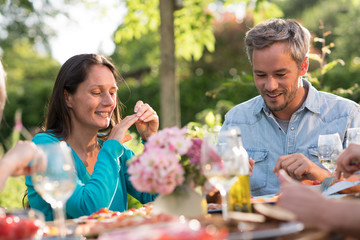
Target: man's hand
300 167
251 166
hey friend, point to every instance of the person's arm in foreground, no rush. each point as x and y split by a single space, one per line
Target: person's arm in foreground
15 161
315 211
349 161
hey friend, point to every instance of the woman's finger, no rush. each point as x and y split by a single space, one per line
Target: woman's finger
118 132
128 121
127 138
138 106
151 117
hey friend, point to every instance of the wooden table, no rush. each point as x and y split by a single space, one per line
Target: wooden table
306 234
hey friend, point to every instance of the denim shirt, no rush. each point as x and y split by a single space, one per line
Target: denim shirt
265 141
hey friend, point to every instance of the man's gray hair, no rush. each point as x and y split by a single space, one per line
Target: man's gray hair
275 30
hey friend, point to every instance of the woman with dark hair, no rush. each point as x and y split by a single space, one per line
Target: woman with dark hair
83 111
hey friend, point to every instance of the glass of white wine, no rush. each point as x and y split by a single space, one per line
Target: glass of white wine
220 163
329 148
57 181
353 136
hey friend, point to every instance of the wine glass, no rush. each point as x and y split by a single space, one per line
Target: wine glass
57 181
329 148
353 136
220 162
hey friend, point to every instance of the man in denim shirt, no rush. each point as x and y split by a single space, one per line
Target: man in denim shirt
280 128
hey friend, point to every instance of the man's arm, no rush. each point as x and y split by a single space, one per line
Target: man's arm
300 167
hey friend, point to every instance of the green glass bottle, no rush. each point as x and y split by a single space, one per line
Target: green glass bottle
239 194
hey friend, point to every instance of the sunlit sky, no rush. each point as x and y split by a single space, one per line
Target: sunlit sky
88 30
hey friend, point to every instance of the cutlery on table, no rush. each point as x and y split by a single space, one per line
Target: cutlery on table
342 185
326 183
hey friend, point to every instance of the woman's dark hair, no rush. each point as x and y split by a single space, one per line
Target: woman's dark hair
73 72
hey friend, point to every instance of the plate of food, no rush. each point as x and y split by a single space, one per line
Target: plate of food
214 208
105 220
271 198
106 215
174 230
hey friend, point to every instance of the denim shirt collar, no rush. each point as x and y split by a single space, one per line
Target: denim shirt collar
312 101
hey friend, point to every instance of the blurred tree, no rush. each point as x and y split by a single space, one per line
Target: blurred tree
192 29
30 79
340 20
26 55
26 19
294 8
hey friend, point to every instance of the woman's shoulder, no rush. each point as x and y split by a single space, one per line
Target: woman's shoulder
45 137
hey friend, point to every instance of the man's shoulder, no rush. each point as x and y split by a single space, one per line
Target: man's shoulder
330 107
330 100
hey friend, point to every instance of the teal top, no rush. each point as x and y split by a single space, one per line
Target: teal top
106 187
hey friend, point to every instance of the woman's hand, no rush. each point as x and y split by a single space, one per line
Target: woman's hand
119 131
148 121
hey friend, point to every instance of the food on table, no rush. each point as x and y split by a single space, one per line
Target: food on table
351 190
106 220
265 199
189 230
50 230
15 227
102 214
213 206
310 182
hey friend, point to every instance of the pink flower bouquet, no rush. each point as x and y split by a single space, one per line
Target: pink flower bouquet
169 159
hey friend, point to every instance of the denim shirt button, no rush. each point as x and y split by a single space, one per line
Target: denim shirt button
292 128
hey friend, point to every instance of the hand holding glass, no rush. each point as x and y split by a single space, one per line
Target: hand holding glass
329 148
57 182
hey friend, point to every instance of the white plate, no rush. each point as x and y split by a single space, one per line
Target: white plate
85 219
283 229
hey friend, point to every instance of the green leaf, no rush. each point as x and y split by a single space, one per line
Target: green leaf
331 65
265 10
210 119
315 57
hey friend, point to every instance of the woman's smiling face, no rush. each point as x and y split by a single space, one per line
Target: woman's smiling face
94 100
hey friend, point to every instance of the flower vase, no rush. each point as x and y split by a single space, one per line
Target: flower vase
184 200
